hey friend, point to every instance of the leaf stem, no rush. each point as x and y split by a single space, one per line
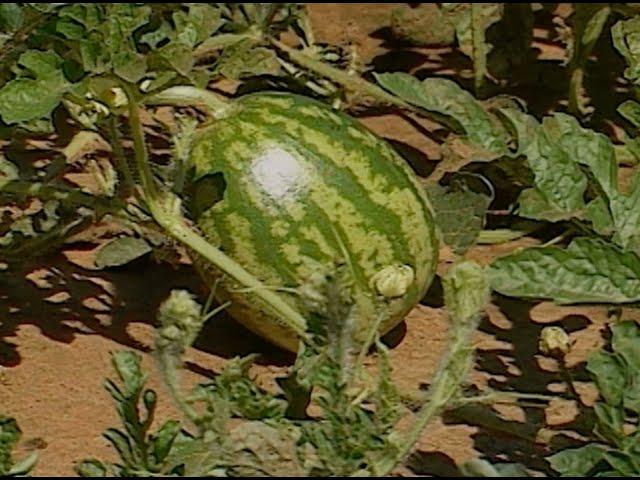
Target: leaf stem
479 53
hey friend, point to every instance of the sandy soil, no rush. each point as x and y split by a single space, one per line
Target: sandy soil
57 330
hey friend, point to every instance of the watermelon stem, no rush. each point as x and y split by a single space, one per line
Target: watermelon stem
165 209
185 95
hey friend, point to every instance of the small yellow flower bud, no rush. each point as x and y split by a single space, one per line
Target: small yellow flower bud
554 342
393 281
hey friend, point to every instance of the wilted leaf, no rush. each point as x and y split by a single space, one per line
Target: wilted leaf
273 449
445 97
244 59
121 251
460 214
589 270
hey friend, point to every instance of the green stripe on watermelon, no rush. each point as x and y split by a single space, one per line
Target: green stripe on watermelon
298 175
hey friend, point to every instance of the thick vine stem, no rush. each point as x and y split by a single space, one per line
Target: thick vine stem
165 209
127 184
355 83
350 82
185 95
182 232
446 385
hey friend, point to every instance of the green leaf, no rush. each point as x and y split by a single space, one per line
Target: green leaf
218 42
626 39
577 462
163 440
630 110
24 99
123 444
179 57
9 435
244 398
593 28
555 150
609 375
88 15
610 422
121 251
586 147
196 458
471 27
8 172
598 213
91 468
626 343
127 365
589 270
560 185
11 16
534 205
130 66
447 98
155 37
460 214
70 29
204 19
623 464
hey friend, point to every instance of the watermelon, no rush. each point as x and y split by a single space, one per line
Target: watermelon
285 186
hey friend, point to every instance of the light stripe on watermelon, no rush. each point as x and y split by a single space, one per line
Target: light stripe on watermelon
304 185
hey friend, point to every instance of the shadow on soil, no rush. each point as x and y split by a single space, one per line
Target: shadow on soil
514 369
106 302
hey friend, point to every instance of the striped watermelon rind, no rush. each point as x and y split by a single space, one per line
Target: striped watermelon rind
304 185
